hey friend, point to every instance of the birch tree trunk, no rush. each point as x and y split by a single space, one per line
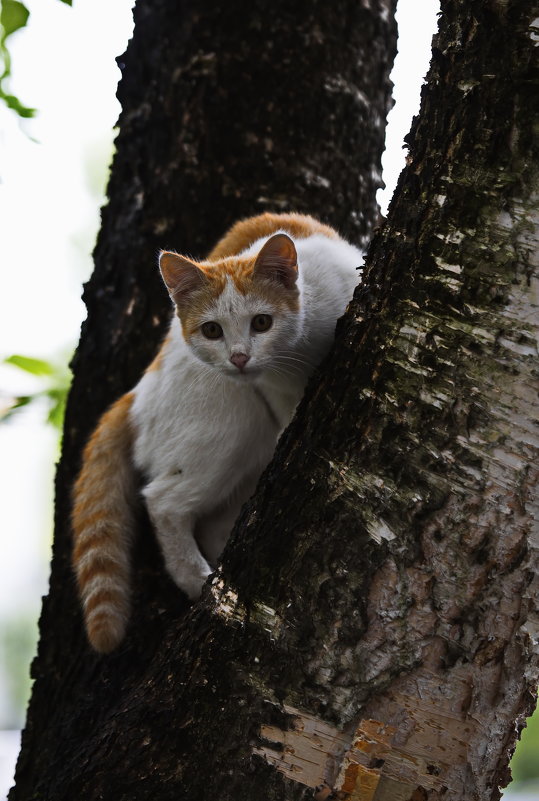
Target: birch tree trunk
401 516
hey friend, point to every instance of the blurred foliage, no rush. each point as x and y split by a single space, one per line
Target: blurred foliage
13 16
55 380
19 636
19 628
525 762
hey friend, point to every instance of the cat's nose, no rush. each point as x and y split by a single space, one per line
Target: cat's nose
239 360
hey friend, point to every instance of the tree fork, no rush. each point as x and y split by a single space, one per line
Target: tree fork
374 623
227 111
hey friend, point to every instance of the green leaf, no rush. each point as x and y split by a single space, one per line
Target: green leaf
56 413
13 15
15 104
55 381
30 365
19 403
68 2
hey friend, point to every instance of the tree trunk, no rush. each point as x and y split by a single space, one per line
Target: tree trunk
373 625
228 110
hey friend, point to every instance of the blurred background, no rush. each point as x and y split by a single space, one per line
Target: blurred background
57 116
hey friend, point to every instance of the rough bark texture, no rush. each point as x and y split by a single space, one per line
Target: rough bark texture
228 110
374 622
404 504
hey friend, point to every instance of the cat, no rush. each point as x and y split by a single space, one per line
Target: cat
251 323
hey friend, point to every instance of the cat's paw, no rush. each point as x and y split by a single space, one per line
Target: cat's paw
193 587
186 565
190 581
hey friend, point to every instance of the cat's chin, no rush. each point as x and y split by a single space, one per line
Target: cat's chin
243 376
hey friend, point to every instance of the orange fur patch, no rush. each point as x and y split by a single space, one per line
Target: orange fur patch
104 596
106 628
200 301
93 519
245 232
97 539
158 360
113 426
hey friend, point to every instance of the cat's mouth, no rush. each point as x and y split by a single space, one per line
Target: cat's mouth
244 374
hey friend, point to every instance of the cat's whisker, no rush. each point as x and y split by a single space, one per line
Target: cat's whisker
200 378
281 372
293 368
301 361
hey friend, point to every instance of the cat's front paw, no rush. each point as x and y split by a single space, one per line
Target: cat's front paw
190 581
183 559
193 587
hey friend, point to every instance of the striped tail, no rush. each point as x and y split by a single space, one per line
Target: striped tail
103 524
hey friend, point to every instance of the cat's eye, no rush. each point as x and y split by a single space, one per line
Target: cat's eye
261 322
211 330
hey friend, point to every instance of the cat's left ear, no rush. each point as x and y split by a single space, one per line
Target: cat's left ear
181 275
278 261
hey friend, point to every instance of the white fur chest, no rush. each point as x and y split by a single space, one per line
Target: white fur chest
191 420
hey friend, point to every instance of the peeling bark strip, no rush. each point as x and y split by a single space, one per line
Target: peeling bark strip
309 752
317 755
371 763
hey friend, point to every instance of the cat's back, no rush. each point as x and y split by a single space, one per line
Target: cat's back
329 266
246 232
330 270
323 255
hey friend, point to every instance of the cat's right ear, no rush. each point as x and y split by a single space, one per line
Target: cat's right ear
181 276
278 261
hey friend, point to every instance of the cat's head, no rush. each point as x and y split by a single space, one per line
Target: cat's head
241 313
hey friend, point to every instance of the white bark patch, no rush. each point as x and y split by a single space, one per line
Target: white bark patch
439 401
528 348
370 763
451 283
308 752
379 530
443 265
267 618
227 605
339 85
454 237
467 86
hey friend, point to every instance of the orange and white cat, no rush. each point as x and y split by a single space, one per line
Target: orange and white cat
251 323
